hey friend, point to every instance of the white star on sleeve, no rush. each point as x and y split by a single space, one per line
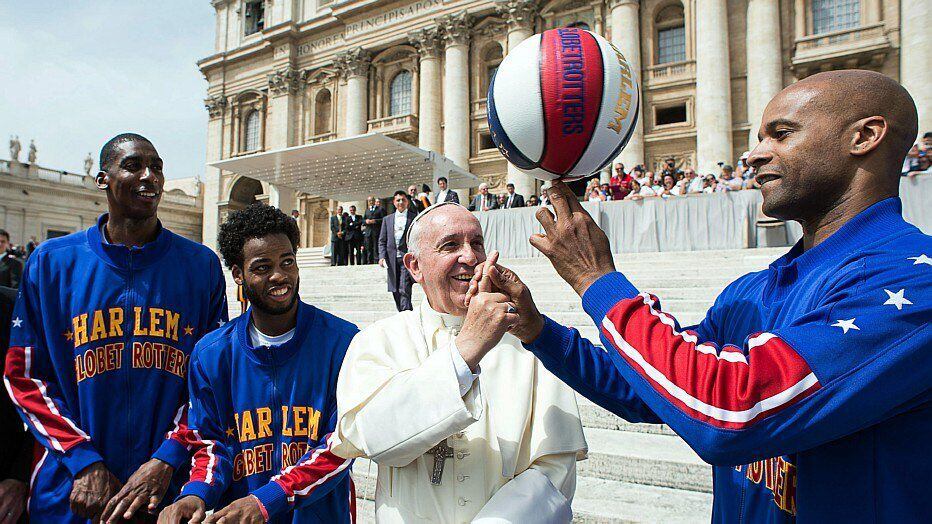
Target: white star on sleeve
846 325
897 299
17 322
921 259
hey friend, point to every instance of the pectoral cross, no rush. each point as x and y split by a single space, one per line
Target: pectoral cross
441 453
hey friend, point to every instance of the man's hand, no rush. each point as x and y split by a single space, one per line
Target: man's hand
382 262
575 245
246 510
146 487
12 500
189 509
503 280
488 317
93 487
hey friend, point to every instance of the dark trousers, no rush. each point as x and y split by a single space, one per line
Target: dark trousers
354 251
338 252
370 254
403 284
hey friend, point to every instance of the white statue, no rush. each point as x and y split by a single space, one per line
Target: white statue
88 164
32 151
15 148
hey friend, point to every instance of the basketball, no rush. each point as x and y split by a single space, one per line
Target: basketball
563 104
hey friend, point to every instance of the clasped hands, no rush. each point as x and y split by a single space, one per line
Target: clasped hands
579 251
97 494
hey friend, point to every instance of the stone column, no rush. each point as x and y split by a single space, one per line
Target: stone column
456 121
626 36
915 57
713 87
354 65
520 16
216 109
765 61
430 108
284 86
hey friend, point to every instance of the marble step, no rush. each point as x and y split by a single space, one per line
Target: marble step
645 458
639 458
597 501
595 417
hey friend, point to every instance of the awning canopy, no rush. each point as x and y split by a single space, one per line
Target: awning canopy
349 169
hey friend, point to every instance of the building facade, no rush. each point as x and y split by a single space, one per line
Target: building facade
292 72
45 203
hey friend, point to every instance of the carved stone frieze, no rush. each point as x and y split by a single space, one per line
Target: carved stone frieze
455 28
518 13
353 62
286 81
215 105
427 41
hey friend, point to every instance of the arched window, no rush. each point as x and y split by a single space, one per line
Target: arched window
322 109
580 25
671 34
491 58
251 131
399 94
834 15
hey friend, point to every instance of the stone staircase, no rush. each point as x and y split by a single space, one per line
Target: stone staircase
635 472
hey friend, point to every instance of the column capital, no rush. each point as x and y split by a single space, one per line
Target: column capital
455 28
518 14
215 105
353 62
427 41
617 3
286 81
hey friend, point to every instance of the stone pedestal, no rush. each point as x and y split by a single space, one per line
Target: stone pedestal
915 57
713 87
520 16
430 109
626 36
765 67
455 31
354 65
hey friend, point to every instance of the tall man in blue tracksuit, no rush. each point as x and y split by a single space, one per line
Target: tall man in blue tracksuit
102 331
808 385
263 393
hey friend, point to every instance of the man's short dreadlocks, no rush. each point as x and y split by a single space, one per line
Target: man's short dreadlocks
256 221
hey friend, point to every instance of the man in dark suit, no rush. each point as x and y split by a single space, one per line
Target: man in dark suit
416 204
393 246
372 225
484 201
352 234
445 194
11 269
336 238
513 199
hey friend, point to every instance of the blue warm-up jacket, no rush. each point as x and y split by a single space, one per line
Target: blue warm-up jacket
808 385
262 417
99 350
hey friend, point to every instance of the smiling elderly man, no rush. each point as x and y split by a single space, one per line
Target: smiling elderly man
454 443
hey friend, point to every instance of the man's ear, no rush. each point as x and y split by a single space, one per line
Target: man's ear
868 134
237 274
413 266
102 180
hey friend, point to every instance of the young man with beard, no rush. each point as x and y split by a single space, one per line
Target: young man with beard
263 393
101 334
808 385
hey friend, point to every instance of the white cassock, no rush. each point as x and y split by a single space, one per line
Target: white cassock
514 430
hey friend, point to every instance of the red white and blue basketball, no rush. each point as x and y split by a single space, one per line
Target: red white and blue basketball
563 104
